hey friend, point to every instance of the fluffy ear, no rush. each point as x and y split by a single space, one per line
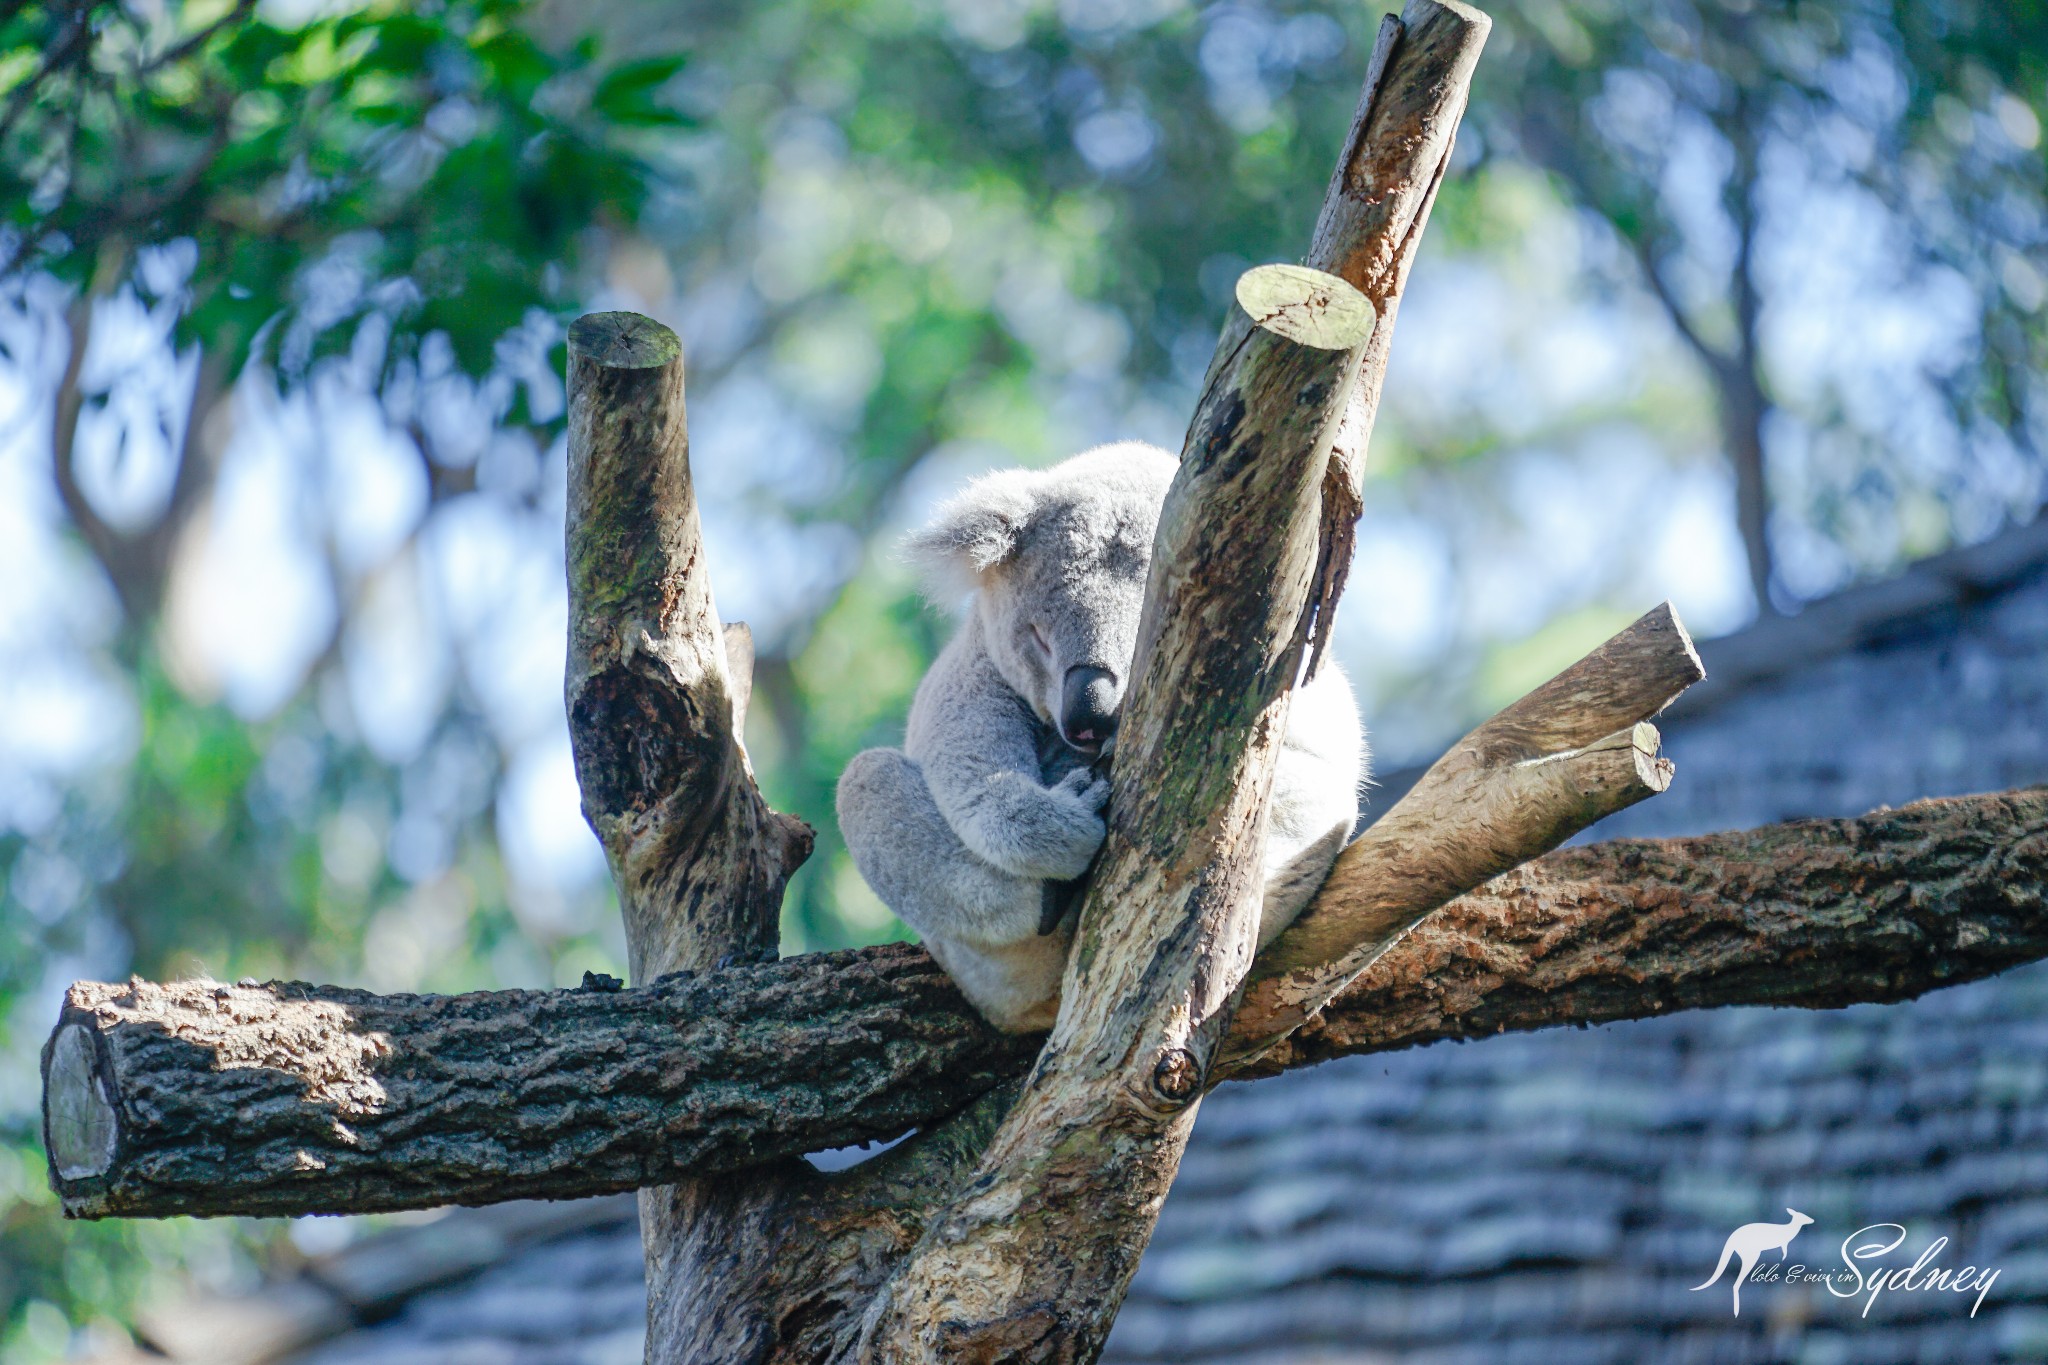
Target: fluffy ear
973 531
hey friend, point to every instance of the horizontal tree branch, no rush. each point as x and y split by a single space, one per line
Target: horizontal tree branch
196 1098
1812 914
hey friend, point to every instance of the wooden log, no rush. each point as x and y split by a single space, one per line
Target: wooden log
202 1098
722 1071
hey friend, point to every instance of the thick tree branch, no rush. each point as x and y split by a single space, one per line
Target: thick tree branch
257 1099
205 1096
1815 914
657 696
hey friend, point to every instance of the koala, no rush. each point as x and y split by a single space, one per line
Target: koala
997 794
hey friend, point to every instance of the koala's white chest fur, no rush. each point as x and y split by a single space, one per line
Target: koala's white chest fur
995 793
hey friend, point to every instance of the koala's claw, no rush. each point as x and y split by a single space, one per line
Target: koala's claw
1087 786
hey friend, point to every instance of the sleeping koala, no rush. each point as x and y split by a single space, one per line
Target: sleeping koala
998 789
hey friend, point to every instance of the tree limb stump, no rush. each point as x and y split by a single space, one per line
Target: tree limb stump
699 859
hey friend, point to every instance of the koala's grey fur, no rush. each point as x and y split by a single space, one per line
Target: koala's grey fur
960 830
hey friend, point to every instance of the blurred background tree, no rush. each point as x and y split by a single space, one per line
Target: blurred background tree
280 488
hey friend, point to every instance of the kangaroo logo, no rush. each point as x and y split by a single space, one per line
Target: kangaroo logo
1750 1241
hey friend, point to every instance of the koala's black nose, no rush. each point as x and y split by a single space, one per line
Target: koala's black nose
1088 701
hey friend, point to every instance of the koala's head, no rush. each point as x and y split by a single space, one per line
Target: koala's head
1056 561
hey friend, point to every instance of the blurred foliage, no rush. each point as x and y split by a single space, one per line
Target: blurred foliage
431 164
1712 137
414 188
904 239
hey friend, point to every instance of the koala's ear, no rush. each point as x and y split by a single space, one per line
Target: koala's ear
973 532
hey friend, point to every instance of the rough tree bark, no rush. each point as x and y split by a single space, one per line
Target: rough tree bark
276 1100
1815 913
699 859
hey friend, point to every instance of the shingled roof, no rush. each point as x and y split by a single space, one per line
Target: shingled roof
1544 1198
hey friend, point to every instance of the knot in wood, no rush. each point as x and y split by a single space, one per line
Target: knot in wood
1178 1077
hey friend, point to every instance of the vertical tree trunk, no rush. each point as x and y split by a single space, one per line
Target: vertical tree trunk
654 701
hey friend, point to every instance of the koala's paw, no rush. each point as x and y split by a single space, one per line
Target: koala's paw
1090 789
1077 827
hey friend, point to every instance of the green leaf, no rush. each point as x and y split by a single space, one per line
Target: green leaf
626 95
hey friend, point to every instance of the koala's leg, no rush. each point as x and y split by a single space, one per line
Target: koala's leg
1293 879
917 864
1322 764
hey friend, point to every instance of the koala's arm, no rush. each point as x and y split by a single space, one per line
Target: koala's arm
1322 765
977 743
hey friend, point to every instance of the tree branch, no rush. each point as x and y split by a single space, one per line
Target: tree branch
273 1099
1570 753
104 543
202 1097
1813 914
656 702
699 858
